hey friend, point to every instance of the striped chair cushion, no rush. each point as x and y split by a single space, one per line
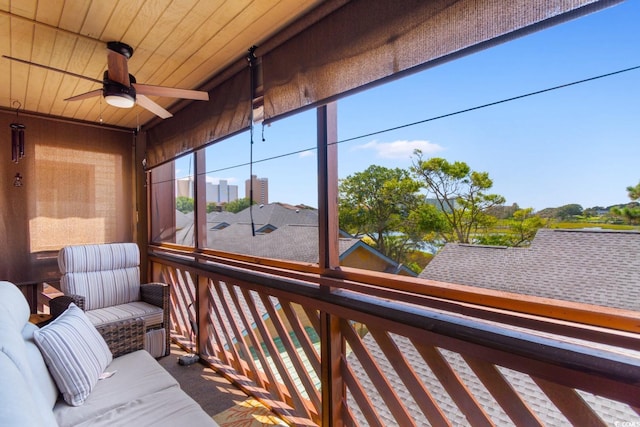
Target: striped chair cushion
151 314
75 353
105 274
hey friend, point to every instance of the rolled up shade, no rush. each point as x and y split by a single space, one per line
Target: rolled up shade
366 42
201 122
345 46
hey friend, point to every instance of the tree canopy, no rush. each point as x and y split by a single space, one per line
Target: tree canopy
238 205
460 192
184 204
385 205
630 212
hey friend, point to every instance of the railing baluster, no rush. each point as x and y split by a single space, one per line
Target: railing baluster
297 400
570 403
255 372
215 329
294 357
303 337
375 373
512 403
357 391
180 289
454 385
224 325
418 390
273 385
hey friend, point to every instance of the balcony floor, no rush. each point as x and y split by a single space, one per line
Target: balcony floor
219 398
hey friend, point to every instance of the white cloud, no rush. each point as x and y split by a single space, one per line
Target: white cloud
307 153
400 149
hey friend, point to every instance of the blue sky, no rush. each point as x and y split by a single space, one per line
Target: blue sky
579 144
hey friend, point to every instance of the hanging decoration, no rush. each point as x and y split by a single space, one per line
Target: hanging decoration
17 137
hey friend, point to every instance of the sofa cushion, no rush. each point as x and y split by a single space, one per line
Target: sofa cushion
151 314
75 353
136 374
166 408
105 274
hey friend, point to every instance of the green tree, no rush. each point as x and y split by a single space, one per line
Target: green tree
630 212
567 211
184 204
385 205
211 206
521 229
238 205
460 192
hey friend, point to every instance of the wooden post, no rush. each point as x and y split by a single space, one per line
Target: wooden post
333 390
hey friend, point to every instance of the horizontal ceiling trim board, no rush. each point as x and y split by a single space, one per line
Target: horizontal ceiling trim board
227 112
368 42
60 119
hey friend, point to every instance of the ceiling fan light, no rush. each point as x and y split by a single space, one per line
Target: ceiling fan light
120 100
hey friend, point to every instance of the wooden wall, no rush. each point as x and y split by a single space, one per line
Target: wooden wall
78 187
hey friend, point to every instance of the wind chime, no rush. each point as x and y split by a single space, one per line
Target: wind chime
17 143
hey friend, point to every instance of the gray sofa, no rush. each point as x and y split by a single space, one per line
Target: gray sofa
35 365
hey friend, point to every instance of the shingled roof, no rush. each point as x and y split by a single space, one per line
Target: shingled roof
591 266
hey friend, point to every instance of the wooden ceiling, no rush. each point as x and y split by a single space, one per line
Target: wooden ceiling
176 43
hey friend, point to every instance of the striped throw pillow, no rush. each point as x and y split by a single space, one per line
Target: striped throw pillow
75 353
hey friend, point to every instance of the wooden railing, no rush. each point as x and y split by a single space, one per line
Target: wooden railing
365 354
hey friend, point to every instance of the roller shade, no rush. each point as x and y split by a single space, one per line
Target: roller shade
366 42
202 122
345 46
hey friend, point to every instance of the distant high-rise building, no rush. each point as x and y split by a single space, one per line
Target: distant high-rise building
184 187
260 189
218 193
221 192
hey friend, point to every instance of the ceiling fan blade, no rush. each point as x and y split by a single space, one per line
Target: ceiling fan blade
46 67
96 92
145 102
171 92
118 69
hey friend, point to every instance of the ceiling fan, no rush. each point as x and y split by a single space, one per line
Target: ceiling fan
120 89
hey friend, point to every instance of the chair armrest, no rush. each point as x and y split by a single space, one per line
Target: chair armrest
156 294
123 336
58 305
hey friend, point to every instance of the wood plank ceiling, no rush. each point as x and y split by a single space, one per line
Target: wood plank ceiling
177 43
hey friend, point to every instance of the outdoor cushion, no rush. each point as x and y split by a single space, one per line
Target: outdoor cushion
75 353
119 389
151 314
105 274
167 408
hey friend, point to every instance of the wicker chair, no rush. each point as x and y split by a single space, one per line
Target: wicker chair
104 281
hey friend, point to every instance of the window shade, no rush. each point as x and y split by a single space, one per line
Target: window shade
340 48
367 42
202 122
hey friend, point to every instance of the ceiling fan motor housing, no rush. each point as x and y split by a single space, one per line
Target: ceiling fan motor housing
121 48
112 89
